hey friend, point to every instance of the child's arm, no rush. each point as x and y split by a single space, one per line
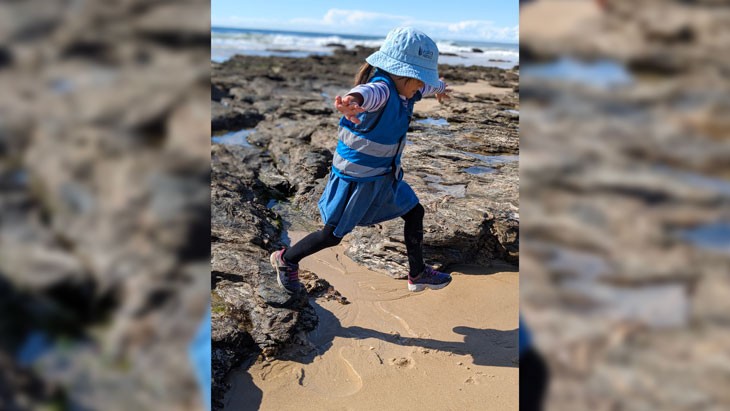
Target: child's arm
441 92
364 97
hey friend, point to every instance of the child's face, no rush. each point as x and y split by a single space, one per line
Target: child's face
408 86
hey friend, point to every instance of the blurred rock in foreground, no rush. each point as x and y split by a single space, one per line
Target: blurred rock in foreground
625 189
104 201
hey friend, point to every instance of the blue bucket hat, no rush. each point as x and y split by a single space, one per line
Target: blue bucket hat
410 53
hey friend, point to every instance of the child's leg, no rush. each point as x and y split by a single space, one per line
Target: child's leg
420 276
316 241
413 234
286 262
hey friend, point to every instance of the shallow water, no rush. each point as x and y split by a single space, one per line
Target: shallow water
656 305
716 185
430 121
325 95
479 170
600 74
455 190
234 138
494 160
713 236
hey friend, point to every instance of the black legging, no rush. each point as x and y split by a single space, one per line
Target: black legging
413 235
534 380
313 242
325 238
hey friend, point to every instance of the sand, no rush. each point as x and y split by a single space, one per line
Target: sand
452 349
480 87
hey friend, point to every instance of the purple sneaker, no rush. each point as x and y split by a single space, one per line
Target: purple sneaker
287 274
429 278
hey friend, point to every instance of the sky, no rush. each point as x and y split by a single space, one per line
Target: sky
485 20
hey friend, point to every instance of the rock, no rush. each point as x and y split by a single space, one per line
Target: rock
252 314
319 287
231 347
6 57
226 118
500 83
217 94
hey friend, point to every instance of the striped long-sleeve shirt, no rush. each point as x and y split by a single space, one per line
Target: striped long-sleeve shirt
376 94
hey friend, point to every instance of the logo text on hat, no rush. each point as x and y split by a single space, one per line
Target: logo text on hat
425 53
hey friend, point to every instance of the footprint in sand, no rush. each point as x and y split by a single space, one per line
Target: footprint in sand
470 380
402 362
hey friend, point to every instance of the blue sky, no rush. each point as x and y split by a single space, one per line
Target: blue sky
485 20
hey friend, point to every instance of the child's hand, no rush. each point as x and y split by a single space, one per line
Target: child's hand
442 97
349 106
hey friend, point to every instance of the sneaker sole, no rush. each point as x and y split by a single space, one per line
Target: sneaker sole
272 260
421 287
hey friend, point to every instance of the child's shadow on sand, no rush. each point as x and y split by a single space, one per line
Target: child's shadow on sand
488 347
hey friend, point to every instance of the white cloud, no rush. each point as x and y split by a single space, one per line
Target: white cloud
237 21
361 18
374 23
481 30
352 21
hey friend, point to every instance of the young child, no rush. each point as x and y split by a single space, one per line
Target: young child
366 184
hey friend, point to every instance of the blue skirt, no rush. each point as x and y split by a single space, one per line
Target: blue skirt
346 204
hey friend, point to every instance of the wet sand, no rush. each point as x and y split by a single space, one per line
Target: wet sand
453 349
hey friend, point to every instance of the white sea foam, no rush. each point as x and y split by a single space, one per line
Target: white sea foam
227 42
258 41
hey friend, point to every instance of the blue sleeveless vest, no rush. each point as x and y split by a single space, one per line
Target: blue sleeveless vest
373 148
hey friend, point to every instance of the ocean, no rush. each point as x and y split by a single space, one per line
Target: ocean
227 42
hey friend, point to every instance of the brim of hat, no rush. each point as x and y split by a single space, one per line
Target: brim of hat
393 66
